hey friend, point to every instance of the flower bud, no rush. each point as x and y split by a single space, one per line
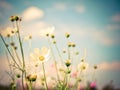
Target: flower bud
28 77
30 37
67 35
12 18
82 60
20 19
69 44
16 18
64 51
47 34
73 45
84 67
52 36
15 47
6 45
95 67
8 35
33 77
12 44
77 53
18 75
54 42
68 63
68 71
79 79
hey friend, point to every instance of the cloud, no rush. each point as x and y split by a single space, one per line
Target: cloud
32 13
5 5
103 38
116 18
60 6
115 65
113 27
4 67
80 9
35 29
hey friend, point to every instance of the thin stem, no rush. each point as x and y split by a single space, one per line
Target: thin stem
30 85
20 42
13 87
59 54
68 49
54 60
23 80
9 51
85 54
21 48
8 62
17 56
44 75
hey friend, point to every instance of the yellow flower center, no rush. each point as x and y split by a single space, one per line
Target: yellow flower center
41 58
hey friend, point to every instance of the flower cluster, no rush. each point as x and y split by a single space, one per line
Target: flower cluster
35 72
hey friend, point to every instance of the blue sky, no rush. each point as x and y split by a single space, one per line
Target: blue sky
94 25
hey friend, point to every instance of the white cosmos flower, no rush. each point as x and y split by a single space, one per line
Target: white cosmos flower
28 37
83 65
8 32
48 30
40 55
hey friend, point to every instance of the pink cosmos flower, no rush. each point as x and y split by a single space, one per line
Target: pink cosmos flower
93 84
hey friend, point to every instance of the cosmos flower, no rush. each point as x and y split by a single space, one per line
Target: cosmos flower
40 55
83 65
74 74
47 31
93 84
32 77
26 38
8 32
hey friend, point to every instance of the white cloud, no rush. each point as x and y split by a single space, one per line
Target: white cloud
115 65
113 27
4 67
32 13
103 38
80 9
60 6
116 18
5 5
34 28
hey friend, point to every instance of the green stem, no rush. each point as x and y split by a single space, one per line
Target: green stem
30 85
23 80
44 75
54 60
17 56
59 54
21 48
20 42
68 50
13 87
9 51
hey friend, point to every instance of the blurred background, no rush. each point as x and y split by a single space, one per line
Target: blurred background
94 25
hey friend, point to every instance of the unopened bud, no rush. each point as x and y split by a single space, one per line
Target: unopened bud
12 18
67 35
16 18
52 36
18 75
95 67
68 63
54 42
